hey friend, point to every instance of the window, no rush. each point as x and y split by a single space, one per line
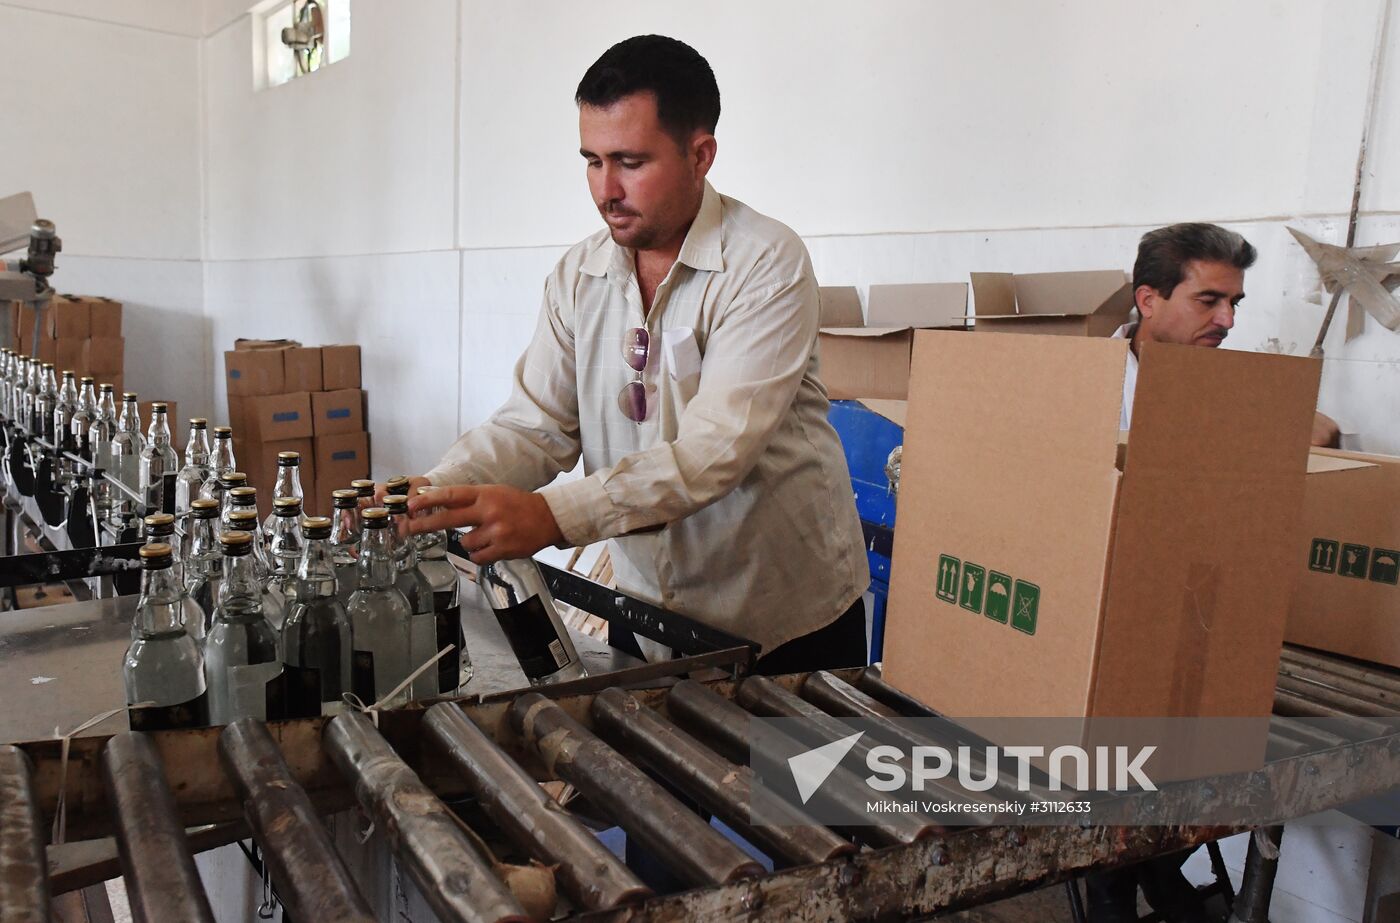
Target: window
299 37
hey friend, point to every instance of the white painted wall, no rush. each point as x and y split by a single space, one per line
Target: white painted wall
101 121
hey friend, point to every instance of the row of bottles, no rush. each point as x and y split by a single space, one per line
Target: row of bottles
345 604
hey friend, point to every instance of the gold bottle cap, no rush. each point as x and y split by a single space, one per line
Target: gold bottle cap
159 407
223 431
396 503
198 423
286 506
376 517
288 458
154 551
160 521
236 539
233 477
205 508
244 516
316 526
87 379
245 492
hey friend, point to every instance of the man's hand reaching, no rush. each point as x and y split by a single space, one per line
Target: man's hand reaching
505 522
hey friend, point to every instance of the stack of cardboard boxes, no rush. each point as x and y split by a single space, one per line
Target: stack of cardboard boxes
81 333
283 396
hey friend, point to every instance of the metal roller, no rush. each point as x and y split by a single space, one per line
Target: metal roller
725 723
693 849
722 787
312 880
590 874
455 880
162 883
872 682
24 869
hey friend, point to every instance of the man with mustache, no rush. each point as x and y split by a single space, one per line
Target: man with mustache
676 354
1187 282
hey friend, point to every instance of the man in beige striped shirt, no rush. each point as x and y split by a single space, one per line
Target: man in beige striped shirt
676 355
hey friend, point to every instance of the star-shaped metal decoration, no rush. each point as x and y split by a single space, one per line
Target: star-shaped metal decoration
1369 275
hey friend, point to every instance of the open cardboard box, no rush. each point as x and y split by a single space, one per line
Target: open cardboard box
869 357
1091 303
1042 569
1346 561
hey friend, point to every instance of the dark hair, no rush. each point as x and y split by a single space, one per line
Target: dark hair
687 97
1163 254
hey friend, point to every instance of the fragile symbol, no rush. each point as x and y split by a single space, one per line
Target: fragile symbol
1322 557
973 587
1354 560
1385 566
1025 606
948 569
998 597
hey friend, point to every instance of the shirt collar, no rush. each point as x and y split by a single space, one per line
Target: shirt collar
702 249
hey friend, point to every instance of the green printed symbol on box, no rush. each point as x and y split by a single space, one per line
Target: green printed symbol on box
1322 556
1025 606
1385 566
998 597
1354 560
974 587
948 569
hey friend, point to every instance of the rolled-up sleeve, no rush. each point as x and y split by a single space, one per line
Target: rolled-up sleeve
535 435
754 361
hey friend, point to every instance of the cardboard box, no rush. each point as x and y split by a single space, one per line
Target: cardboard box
70 355
24 327
243 343
66 316
48 350
872 359
301 368
338 412
251 372
1093 303
340 459
340 367
104 355
104 317
1057 576
1347 558
276 418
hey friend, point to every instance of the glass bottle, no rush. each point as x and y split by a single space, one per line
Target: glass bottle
159 464
44 402
316 635
204 561
222 460
379 617
245 498
516 592
284 548
288 484
224 484
414 584
65 406
125 453
365 489
33 384
6 381
454 670
163 669
242 519
241 653
99 441
192 481
159 529
345 541
83 417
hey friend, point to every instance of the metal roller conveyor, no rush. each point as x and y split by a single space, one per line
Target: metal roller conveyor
24 873
312 879
588 872
688 845
162 883
719 786
455 880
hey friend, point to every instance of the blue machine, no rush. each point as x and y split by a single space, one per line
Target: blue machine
868 439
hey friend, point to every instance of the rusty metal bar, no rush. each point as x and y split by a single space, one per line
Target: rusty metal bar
455 880
1343 702
1386 701
719 786
835 696
727 725
871 681
693 849
312 880
162 883
1378 678
590 874
24 870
